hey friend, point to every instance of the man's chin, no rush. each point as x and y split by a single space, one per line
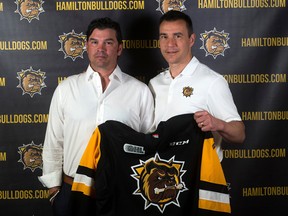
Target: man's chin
170 59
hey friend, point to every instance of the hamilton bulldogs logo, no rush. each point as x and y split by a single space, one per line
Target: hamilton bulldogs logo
31 82
29 9
167 5
72 45
31 156
214 42
159 181
187 91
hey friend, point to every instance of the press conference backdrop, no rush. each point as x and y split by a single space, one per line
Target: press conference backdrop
43 42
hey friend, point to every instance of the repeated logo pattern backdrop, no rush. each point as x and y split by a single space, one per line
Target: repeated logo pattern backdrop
43 42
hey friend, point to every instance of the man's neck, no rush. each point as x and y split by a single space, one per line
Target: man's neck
176 69
104 76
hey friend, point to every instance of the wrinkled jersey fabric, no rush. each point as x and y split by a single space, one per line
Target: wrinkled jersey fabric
172 171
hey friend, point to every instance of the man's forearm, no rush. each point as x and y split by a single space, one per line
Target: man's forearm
233 132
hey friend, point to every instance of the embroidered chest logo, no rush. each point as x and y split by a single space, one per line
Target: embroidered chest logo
187 91
159 181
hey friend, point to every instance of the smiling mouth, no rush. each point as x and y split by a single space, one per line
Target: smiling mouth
171 51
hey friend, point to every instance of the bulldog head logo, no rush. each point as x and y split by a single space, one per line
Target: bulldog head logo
31 156
214 42
29 9
31 82
187 91
159 181
73 45
167 5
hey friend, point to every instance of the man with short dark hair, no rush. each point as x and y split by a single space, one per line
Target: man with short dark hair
189 86
82 102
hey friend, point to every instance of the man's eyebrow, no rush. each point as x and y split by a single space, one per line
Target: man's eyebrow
107 39
175 33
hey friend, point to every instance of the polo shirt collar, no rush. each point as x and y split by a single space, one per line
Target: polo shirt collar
190 67
188 70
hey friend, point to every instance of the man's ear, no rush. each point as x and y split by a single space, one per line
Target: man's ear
192 39
120 49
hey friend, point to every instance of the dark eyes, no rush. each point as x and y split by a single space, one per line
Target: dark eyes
176 36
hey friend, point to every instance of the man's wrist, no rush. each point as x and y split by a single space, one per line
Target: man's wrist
53 195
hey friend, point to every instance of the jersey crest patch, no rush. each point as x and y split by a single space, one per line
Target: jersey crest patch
159 181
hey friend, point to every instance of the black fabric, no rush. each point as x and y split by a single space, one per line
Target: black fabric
176 143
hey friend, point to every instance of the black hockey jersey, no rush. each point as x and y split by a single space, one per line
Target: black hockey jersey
172 171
